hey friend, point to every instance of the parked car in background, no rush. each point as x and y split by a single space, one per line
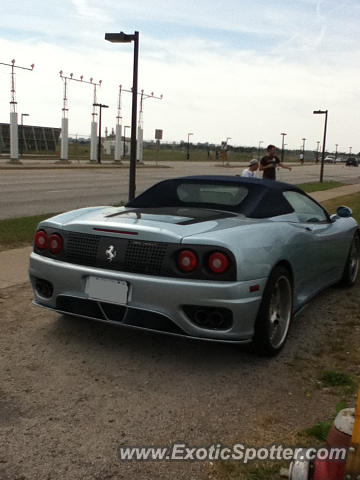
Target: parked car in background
329 159
220 258
352 162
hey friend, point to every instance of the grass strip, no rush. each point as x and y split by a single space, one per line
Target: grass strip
318 187
351 201
19 232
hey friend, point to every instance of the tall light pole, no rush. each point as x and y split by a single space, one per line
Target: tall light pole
322 112
22 131
260 142
188 147
350 148
336 150
226 146
101 106
303 148
317 151
124 151
282 146
126 38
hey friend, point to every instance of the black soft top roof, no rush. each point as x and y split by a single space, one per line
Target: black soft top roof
264 198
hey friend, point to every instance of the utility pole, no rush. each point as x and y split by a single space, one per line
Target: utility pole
188 147
322 112
22 132
124 150
282 146
303 151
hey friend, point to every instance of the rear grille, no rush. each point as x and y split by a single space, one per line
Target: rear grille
144 257
82 248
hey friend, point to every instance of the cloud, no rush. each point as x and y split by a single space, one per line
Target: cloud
89 10
245 69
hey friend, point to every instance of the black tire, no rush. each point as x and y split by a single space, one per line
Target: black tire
351 267
275 313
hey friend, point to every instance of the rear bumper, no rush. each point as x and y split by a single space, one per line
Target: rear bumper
152 301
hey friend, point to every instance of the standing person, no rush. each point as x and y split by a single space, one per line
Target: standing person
301 158
250 172
269 163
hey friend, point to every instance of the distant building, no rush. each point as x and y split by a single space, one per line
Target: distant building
31 138
109 146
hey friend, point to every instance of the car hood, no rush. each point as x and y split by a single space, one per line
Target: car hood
160 224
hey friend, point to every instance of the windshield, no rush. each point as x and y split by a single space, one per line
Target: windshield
227 195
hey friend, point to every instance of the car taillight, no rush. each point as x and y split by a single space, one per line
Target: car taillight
41 239
218 262
187 261
55 243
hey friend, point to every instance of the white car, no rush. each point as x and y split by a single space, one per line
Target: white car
329 159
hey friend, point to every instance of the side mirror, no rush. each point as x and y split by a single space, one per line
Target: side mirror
344 212
333 217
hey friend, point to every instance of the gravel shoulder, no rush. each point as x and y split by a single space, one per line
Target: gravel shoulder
73 391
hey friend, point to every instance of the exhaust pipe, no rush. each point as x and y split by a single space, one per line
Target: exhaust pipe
209 319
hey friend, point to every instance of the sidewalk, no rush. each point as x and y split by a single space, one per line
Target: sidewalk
14 264
335 192
46 164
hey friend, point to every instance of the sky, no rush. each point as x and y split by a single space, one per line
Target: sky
244 69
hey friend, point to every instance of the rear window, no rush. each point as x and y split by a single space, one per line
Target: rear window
227 195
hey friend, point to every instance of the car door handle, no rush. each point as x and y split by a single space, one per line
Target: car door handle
309 229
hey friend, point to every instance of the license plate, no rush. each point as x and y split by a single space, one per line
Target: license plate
106 290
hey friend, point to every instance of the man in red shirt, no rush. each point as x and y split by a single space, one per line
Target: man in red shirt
269 163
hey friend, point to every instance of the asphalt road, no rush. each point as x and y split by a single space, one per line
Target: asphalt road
26 192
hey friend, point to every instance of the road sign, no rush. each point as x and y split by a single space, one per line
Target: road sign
158 134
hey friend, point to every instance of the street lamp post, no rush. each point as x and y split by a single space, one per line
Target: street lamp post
317 151
188 147
336 150
303 150
22 131
350 148
101 106
282 146
124 151
322 112
125 38
226 146
260 142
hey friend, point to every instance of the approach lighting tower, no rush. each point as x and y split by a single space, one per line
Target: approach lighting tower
14 137
65 120
118 128
144 96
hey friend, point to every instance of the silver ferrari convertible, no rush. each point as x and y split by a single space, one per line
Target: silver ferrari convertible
218 258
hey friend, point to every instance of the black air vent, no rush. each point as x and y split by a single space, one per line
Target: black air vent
82 248
144 257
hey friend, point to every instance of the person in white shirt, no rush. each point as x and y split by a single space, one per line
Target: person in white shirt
250 172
